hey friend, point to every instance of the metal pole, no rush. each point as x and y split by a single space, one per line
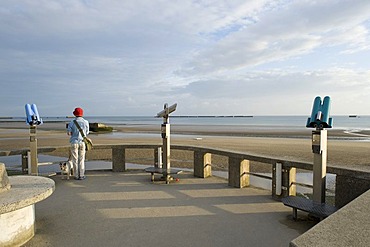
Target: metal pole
319 169
33 150
165 129
166 144
278 179
159 157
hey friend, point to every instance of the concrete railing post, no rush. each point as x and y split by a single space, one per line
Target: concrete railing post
288 180
118 159
202 164
238 172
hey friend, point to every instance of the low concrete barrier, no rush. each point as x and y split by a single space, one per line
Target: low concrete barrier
349 226
349 183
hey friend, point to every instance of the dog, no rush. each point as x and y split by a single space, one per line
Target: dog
66 170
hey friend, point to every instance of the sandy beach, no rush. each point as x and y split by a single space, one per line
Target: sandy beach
343 149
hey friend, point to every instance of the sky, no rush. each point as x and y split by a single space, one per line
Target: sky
211 57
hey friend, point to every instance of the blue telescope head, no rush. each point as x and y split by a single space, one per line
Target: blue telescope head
320 114
32 115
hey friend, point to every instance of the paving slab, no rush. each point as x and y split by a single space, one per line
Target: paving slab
127 209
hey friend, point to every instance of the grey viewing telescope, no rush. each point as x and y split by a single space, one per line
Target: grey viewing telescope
167 110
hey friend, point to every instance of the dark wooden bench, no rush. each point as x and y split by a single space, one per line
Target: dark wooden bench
320 210
165 172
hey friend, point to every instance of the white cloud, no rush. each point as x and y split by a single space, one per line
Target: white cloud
291 31
277 92
129 57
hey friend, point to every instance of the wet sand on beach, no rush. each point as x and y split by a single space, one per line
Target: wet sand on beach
290 145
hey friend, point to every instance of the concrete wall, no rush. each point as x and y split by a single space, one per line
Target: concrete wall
349 226
348 188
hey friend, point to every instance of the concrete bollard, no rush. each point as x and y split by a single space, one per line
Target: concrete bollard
202 164
118 159
238 172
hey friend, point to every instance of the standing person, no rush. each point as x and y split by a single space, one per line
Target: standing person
77 151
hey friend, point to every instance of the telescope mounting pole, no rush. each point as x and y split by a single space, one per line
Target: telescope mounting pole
166 140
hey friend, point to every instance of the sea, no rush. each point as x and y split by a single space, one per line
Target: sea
341 122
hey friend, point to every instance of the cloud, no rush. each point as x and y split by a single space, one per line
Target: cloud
276 92
129 57
290 31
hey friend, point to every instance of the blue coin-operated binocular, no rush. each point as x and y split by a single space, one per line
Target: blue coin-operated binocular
32 115
320 114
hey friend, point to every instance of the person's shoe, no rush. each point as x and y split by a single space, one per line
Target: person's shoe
82 178
77 178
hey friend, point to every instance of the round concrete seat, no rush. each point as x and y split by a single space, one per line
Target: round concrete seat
17 208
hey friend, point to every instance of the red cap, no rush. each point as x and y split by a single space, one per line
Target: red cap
78 112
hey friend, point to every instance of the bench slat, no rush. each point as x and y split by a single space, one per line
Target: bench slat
162 170
307 205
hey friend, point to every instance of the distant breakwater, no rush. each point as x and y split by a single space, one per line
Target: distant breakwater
213 116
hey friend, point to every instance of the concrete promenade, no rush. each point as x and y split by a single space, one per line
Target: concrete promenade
126 209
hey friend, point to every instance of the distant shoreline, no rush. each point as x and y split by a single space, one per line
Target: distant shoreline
210 116
208 130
